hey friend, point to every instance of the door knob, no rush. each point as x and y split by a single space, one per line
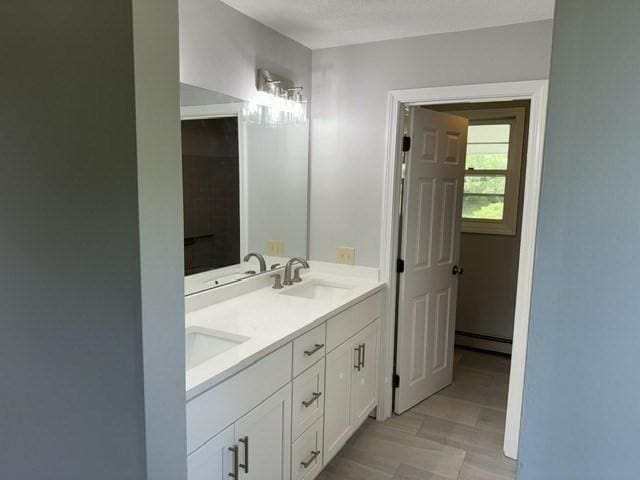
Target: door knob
456 270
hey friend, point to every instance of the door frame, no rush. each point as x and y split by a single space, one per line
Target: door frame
226 110
536 91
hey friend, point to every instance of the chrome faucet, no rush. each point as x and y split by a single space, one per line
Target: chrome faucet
263 263
287 270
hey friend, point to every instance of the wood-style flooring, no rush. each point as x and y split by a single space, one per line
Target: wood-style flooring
456 434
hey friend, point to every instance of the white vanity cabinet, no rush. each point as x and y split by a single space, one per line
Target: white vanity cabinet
287 415
256 447
241 428
211 461
364 386
264 439
351 381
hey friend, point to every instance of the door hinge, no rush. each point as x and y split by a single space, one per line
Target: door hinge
396 380
406 143
400 266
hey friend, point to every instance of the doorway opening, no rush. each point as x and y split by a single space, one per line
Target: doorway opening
462 186
492 202
457 98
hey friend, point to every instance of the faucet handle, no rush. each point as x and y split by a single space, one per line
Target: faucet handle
296 275
277 284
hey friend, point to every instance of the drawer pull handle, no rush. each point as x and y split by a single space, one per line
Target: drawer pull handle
245 442
234 451
314 398
358 365
316 348
364 345
314 455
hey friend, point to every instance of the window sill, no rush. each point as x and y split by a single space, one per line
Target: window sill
488 228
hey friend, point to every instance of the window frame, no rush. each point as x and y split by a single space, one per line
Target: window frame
516 118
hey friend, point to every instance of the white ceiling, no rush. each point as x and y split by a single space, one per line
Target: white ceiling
329 23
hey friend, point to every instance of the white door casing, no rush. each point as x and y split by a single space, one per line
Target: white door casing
534 90
432 210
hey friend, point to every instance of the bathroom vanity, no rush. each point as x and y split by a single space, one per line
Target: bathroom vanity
281 363
280 379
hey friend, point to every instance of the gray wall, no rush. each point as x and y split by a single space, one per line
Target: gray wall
349 115
71 343
487 290
221 48
72 318
159 165
581 414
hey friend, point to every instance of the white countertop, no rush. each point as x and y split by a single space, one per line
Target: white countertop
270 319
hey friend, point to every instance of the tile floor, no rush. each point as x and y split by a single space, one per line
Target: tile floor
456 434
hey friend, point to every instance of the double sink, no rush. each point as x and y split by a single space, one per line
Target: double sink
202 344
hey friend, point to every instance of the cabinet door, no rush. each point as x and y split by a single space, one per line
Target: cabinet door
264 439
212 460
364 387
339 371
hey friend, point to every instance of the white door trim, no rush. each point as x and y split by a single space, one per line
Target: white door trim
536 92
230 110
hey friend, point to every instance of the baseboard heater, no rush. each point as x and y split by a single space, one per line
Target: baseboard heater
484 342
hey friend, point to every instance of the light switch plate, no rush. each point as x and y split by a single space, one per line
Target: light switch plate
346 255
275 248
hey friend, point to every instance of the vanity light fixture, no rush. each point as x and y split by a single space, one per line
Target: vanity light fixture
278 101
279 86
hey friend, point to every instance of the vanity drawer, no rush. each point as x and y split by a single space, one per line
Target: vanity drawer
306 453
219 407
308 398
349 322
308 349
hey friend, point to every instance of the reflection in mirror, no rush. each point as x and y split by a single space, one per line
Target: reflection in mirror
210 175
245 177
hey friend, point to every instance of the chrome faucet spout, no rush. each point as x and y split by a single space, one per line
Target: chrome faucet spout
288 280
261 260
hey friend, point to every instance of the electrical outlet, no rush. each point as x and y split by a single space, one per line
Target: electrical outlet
275 248
346 255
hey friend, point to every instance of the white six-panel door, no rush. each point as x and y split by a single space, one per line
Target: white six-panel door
432 208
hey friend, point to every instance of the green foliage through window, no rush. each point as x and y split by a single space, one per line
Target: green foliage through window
483 207
487 157
478 184
484 192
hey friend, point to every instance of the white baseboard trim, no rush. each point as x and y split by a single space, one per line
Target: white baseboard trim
483 344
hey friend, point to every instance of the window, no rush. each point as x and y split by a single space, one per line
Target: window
492 175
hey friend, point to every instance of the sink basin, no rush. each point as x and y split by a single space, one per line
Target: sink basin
319 290
202 344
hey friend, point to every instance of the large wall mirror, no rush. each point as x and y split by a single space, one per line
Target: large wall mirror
245 179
